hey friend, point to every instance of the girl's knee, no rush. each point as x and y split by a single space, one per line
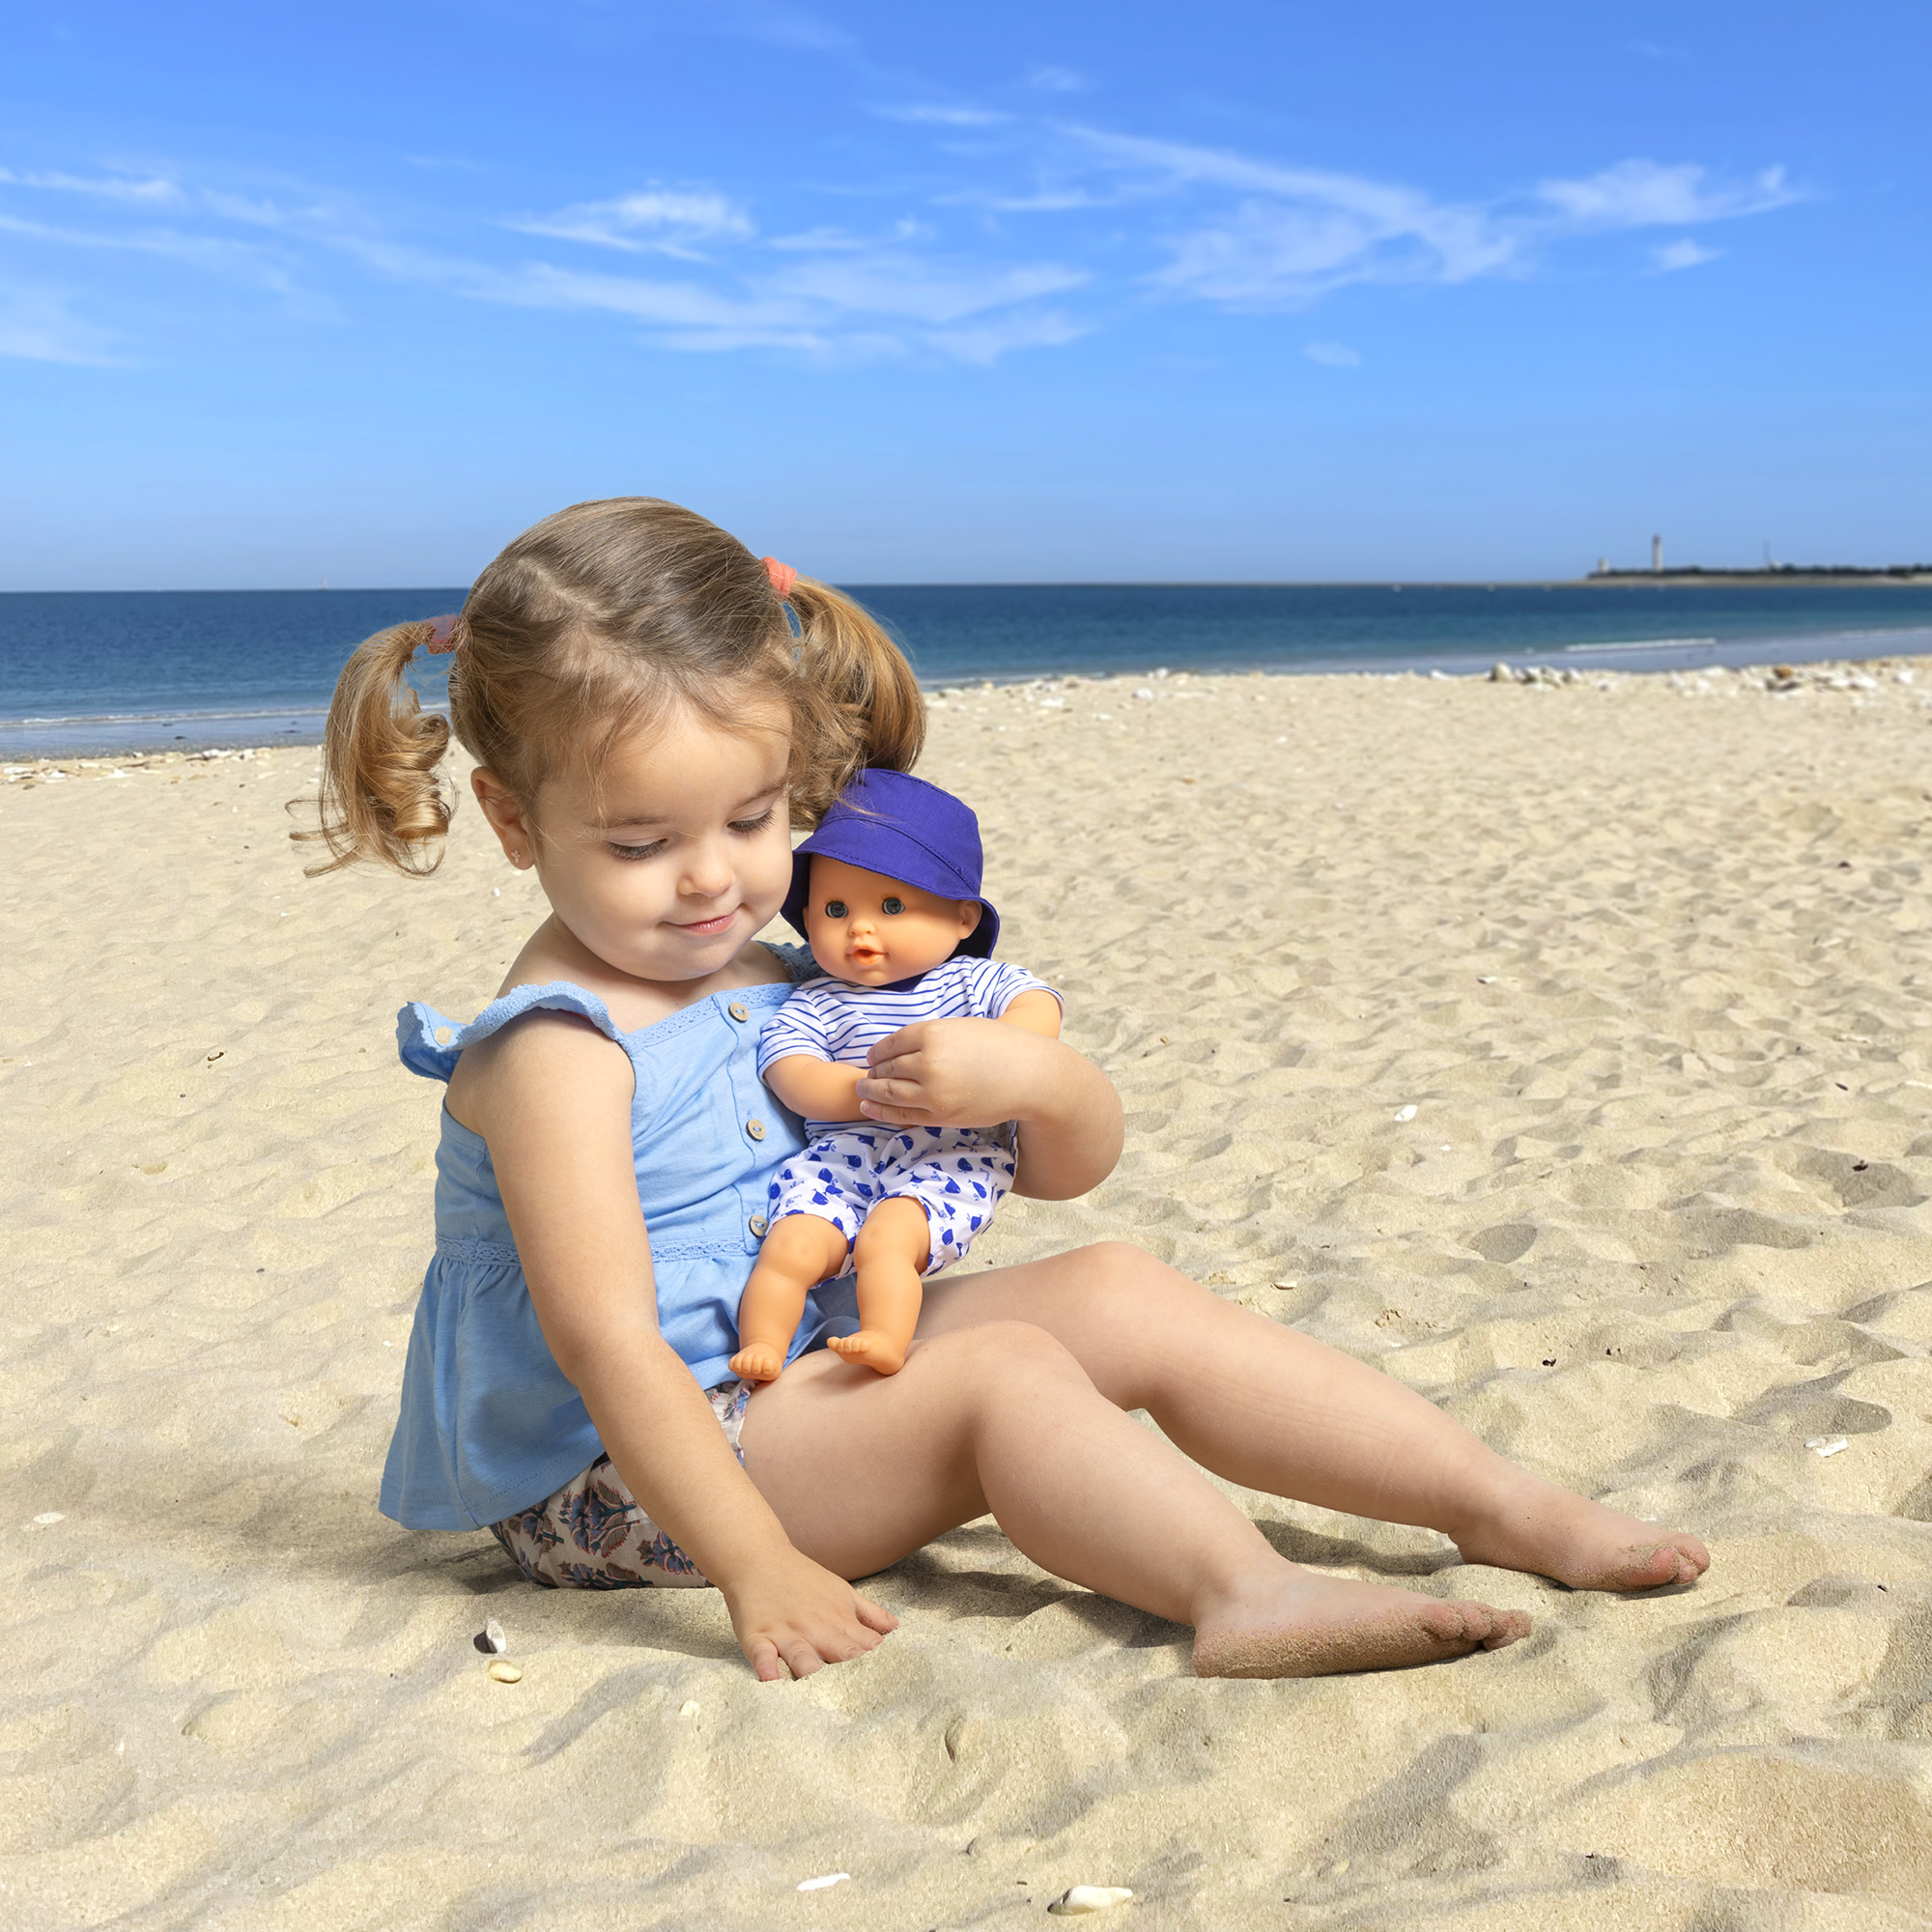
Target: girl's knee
1000 1355
1125 1276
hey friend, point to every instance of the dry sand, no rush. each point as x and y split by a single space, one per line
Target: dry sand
1564 1052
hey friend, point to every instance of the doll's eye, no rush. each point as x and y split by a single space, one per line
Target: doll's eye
892 905
835 908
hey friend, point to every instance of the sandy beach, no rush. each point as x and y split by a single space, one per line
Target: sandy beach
1564 1051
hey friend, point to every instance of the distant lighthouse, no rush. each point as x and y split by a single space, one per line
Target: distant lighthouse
1656 556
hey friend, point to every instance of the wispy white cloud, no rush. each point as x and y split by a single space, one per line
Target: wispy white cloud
1057 80
1001 231
1683 253
143 192
933 114
1647 194
654 220
38 325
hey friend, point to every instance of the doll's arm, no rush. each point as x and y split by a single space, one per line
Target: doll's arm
814 1089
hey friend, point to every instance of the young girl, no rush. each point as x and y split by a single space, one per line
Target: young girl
648 727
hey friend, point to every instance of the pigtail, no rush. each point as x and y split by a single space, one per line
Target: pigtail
384 794
860 702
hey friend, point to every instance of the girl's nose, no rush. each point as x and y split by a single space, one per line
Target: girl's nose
706 874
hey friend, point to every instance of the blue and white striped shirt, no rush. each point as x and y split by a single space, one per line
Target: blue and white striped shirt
833 1020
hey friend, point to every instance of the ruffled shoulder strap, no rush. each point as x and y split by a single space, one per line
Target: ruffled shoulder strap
430 1043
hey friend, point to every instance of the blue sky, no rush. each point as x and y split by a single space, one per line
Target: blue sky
1007 291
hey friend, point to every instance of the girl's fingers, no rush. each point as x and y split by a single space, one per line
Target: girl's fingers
894 1093
765 1661
802 1658
874 1616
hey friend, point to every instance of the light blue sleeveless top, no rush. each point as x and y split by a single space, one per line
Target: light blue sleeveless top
490 1424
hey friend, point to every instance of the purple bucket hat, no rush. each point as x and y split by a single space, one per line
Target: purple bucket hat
893 823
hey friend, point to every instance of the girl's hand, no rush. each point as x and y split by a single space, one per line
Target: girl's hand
961 1073
791 1615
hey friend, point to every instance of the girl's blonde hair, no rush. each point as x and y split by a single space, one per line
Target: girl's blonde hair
596 619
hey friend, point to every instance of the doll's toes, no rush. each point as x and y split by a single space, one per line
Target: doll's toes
758 1363
874 1349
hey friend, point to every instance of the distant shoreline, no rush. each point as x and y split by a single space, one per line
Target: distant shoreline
1826 575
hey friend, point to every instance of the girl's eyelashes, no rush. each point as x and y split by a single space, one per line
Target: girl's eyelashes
892 905
743 826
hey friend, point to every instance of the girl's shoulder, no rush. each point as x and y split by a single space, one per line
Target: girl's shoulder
430 1043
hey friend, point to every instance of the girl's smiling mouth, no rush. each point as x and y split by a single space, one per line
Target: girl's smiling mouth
706 929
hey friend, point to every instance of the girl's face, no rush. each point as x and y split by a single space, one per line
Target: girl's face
675 855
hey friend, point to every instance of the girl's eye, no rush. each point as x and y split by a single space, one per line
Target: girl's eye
757 824
649 851
892 905
835 908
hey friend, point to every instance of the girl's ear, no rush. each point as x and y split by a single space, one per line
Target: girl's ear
507 817
968 917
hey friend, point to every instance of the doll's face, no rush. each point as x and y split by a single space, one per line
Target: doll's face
870 931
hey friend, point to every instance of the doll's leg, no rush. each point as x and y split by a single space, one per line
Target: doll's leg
891 1252
799 1253
863 1470
1266 1407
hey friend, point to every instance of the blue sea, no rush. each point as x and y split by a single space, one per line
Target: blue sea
86 671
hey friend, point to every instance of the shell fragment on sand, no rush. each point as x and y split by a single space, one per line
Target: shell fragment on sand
491 1641
1407 1113
503 1671
1079 1899
1822 1446
48 1518
821 1883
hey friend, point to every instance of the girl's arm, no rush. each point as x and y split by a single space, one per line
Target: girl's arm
978 1073
551 1097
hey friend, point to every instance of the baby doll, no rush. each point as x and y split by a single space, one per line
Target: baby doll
886 892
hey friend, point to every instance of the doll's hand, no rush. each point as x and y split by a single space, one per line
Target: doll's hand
791 1615
960 1073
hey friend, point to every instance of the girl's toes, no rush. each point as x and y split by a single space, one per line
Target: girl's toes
1507 1627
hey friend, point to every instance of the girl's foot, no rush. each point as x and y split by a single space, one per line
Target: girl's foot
1551 1533
757 1362
1297 1624
872 1347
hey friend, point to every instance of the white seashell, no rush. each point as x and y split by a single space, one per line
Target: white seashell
491 1641
820 1884
689 1708
48 1518
1088 1898
503 1671
1406 1113
1822 1446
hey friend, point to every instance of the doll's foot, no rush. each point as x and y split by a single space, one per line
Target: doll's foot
1551 1533
757 1362
1297 1624
873 1348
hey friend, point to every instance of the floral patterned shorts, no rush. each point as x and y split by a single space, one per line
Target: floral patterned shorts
593 1534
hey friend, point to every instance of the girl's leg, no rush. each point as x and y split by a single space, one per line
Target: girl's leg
891 1255
863 1470
799 1253
1273 1409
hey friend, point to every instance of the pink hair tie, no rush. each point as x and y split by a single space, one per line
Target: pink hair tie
783 576
442 634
